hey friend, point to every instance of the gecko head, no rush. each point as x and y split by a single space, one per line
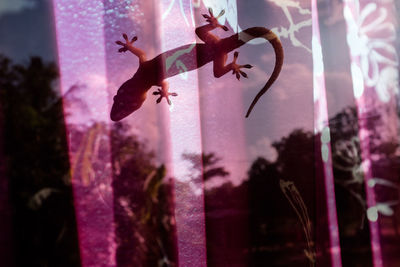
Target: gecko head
126 101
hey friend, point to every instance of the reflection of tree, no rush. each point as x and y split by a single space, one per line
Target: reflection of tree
44 231
258 221
349 167
143 204
280 226
273 226
225 212
347 159
40 188
295 162
279 221
267 220
205 165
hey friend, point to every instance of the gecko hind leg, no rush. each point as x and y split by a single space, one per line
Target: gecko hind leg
221 69
163 92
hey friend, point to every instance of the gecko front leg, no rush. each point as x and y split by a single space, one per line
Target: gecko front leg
163 92
128 45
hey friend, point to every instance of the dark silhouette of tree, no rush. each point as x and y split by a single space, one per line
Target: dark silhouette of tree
204 165
273 225
143 204
38 169
5 206
43 219
349 184
348 169
276 235
296 161
226 212
254 222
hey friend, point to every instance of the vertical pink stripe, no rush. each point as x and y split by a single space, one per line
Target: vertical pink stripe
224 134
322 126
80 40
184 130
370 194
353 28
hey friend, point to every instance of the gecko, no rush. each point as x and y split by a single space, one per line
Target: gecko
154 72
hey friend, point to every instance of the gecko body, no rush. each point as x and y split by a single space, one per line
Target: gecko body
154 72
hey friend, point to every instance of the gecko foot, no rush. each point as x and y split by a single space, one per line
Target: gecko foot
214 20
127 44
163 92
236 68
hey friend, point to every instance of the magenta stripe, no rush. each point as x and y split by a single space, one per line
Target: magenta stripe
184 129
322 127
80 41
362 107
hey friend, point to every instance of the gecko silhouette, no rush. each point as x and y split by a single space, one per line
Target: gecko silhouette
132 93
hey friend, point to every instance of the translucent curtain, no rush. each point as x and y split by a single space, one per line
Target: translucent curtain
310 178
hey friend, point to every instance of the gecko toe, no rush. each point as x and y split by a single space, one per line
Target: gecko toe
158 92
163 92
221 13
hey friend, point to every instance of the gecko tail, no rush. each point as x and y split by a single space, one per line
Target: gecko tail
260 32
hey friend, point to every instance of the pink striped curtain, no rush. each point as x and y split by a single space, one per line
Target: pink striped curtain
310 178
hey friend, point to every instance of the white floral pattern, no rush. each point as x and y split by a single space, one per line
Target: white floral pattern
370 36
